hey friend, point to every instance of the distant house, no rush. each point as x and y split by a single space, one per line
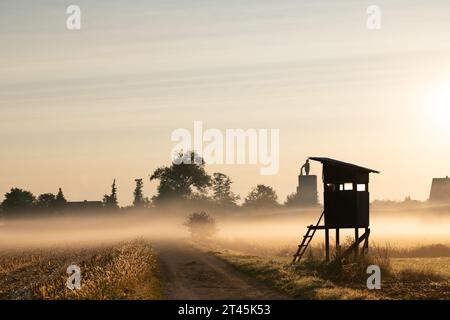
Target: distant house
440 190
84 205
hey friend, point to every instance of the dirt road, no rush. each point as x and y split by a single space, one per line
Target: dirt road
190 273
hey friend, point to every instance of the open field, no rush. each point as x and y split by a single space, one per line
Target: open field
402 278
122 271
440 265
186 270
249 257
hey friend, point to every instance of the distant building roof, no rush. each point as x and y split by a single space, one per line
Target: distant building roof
440 189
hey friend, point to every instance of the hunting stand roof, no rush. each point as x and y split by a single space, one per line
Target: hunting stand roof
341 164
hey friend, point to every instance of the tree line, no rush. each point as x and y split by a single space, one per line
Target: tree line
187 181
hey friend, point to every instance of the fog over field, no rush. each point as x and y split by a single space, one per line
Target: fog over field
270 228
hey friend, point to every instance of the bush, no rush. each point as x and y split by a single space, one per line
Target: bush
201 225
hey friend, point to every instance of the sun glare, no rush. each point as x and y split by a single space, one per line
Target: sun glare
439 106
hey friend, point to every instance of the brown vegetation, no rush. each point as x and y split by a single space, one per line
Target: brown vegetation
123 271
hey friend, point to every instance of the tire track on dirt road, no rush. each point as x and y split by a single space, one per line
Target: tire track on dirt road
190 273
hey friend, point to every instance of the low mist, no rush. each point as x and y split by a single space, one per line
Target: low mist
263 228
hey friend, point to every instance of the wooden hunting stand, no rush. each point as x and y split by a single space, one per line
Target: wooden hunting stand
346 206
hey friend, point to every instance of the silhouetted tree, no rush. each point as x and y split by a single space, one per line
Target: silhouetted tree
18 200
291 200
261 196
181 181
60 201
139 200
221 186
110 201
46 201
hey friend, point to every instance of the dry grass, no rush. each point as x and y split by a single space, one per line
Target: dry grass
297 282
438 266
346 279
424 251
123 271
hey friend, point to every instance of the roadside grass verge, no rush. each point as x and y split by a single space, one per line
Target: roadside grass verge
313 278
298 281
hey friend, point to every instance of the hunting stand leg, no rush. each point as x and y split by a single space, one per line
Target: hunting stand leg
354 247
356 241
327 245
338 245
365 248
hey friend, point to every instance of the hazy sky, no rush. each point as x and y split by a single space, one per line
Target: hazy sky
79 108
